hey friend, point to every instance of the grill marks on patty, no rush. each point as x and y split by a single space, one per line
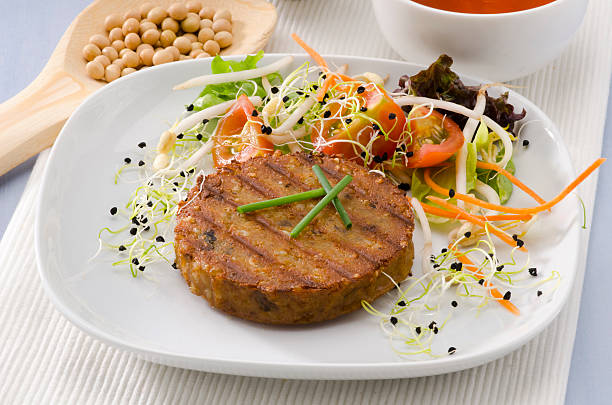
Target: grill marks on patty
239 261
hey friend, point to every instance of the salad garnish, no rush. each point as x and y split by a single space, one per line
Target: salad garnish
447 145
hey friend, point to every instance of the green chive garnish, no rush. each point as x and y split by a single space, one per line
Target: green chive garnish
306 195
320 205
336 201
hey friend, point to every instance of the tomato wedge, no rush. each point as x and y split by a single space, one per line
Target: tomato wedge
434 138
239 137
375 105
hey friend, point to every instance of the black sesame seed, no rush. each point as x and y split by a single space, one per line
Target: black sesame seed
327 114
301 120
150 203
451 193
363 109
393 320
113 210
444 250
360 89
174 266
363 155
525 143
133 231
435 330
322 102
418 330
274 90
205 121
254 113
263 128
507 295
141 163
176 183
500 267
127 160
348 120
121 248
539 293
401 303
432 324
135 221
436 265
378 159
452 350
315 87
192 170
299 92
199 137
409 154
454 304
453 266
182 173
285 99
160 239
190 107
147 228
180 136
392 116
533 271
459 266
515 237
375 127
468 234
135 261
481 281
141 268
404 186
142 144
520 243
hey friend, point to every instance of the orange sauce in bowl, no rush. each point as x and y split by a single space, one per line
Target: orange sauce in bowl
483 6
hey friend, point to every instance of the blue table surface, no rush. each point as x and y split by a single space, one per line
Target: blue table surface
31 28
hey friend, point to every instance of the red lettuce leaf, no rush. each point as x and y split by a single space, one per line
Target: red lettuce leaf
440 82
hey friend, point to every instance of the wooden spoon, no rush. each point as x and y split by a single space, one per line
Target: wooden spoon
32 119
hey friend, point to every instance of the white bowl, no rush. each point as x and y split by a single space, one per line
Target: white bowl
498 47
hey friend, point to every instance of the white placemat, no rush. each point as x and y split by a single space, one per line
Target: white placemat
44 359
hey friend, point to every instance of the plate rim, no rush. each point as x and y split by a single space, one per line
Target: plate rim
313 371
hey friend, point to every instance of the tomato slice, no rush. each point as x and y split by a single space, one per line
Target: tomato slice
330 138
239 137
434 138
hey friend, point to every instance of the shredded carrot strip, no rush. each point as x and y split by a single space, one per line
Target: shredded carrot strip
511 210
446 214
493 291
514 180
313 54
471 218
330 80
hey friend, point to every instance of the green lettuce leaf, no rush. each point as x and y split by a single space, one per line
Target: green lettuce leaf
418 187
502 186
214 94
445 177
470 167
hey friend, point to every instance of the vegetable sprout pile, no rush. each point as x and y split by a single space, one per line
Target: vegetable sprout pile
449 145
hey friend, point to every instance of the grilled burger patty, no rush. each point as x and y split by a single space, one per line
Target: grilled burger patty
247 264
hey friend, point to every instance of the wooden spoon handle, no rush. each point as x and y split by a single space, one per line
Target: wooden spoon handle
31 120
